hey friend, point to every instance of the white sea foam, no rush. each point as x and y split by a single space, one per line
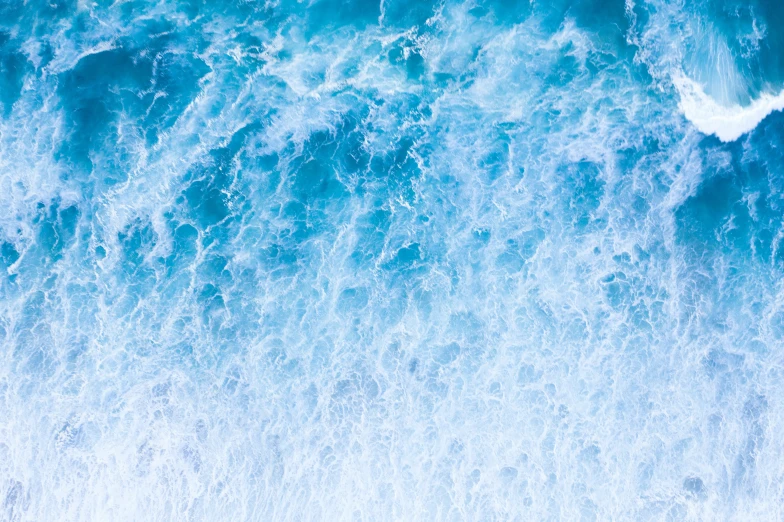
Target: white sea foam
728 123
546 358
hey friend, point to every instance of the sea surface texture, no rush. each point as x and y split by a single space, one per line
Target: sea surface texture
347 260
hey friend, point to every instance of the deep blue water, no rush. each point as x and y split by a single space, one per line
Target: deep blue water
408 260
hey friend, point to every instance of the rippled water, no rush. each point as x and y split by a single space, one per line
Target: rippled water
407 260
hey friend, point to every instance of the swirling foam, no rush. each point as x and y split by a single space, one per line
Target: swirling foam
338 260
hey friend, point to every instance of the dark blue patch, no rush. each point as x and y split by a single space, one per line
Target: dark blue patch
143 80
13 68
56 229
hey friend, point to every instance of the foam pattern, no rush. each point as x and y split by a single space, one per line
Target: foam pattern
409 260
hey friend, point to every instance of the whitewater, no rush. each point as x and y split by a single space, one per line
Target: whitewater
321 260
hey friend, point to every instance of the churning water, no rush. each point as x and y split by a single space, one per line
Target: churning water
396 260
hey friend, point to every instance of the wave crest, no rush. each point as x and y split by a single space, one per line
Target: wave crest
728 123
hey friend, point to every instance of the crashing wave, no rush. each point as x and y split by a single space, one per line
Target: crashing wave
728 123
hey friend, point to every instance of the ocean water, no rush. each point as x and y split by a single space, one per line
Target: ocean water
277 260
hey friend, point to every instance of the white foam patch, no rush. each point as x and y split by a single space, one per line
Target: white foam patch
728 123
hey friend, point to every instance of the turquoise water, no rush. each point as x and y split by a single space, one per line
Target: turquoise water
407 260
